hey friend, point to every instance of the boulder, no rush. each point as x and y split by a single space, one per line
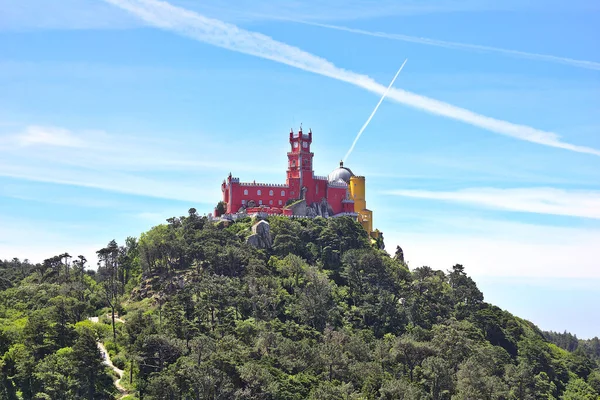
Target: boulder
261 235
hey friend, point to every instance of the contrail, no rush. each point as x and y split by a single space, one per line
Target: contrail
374 111
464 46
218 33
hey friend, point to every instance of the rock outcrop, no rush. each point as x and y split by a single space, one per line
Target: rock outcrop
261 235
322 209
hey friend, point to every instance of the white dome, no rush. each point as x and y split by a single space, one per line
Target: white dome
341 174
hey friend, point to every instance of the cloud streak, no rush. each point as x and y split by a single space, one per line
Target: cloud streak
575 203
464 46
39 135
118 163
362 129
218 33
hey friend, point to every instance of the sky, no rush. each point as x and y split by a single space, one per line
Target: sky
118 114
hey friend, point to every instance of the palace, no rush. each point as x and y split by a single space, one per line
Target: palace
304 194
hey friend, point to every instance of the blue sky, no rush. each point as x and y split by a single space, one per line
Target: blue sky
117 114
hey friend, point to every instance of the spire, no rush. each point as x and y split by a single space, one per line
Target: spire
341 163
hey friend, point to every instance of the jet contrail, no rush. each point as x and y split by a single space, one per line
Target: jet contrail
374 111
463 46
218 33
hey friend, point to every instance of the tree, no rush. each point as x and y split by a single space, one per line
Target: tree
411 353
108 269
314 300
438 377
467 298
92 380
18 367
55 376
400 389
332 354
399 255
577 389
221 208
474 381
79 265
594 380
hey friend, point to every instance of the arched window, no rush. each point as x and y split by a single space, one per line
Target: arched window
258 192
270 193
283 193
293 163
246 192
271 202
243 202
260 202
280 202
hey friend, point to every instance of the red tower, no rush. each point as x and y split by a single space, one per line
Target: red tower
299 172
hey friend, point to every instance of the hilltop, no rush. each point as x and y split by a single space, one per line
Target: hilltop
318 312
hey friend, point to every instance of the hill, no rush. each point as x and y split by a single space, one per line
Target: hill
191 311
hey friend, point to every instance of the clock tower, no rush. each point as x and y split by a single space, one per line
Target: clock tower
299 157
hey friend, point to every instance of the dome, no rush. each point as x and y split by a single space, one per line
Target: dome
342 174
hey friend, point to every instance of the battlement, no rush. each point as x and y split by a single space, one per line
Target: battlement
298 134
277 185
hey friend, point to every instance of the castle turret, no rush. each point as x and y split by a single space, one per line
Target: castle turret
357 191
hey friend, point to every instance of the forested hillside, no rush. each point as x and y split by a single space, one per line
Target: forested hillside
190 311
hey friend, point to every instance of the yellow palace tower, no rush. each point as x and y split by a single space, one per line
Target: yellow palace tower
357 194
357 191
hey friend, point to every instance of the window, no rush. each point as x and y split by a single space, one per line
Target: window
291 194
283 193
259 192
305 144
270 193
270 202
260 202
293 163
280 202
243 202
295 145
246 192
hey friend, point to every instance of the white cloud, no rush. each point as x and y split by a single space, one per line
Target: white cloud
576 203
465 46
91 14
36 241
337 10
489 248
112 181
64 14
218 33
142 166
42 135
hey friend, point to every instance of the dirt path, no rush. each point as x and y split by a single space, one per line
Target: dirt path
107 361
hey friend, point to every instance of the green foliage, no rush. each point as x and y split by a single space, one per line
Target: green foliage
320 315
578 389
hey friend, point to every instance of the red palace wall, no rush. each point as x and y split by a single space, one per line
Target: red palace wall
262 194
299 174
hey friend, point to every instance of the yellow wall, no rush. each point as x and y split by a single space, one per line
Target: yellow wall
357 191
